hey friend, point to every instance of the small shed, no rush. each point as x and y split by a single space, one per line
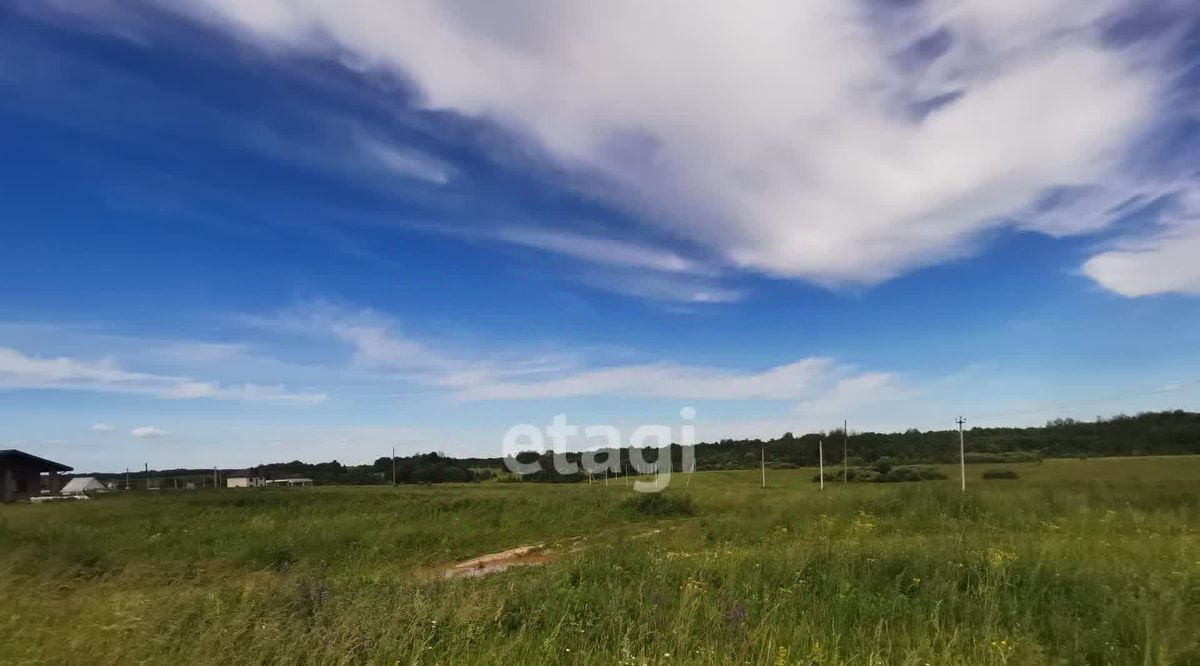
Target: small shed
21 475
84 484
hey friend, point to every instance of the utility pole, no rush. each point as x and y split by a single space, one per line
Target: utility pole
845 450
147 476
763 451
214 478
393 467
126 478
821 458
962 454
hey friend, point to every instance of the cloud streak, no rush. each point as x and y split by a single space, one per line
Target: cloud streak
599 250
148 432
21 371
815 380
378 346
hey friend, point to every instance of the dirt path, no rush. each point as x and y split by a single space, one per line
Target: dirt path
521 556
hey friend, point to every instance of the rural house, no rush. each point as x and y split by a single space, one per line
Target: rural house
21 475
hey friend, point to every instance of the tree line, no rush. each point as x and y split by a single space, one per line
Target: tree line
1149 433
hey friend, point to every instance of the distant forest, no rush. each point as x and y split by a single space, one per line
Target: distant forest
1151 433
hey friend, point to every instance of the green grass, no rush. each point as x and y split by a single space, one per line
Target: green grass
1088 562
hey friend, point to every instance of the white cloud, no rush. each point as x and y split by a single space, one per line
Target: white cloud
598 250
1163 262
21 371
663 287
810 379
798 139
148 432
632 268
404 161
858 390
103 427
380 346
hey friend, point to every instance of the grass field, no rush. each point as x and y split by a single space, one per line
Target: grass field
1089 562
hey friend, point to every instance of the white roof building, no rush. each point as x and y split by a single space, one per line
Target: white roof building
84 484
289 482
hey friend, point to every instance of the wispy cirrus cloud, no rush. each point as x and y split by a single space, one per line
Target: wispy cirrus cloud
377 344
638 268
810 380
22 371
680 289
600 250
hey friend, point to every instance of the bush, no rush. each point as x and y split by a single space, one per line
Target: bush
853 475
975 457
999 474
658 505
912 473
896 474
885 464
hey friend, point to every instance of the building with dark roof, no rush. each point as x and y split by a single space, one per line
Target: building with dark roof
21 475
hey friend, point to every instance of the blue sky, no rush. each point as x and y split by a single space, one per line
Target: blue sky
244 232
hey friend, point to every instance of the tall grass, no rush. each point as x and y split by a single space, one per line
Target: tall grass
1040 571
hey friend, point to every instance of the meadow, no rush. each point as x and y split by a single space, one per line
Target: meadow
1075 562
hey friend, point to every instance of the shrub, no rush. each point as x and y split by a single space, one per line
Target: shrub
853 475
975 457
885 464
999 474
658 505
893 475
912 473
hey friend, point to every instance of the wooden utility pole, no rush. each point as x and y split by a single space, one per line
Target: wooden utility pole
821 459
962 454
393 467
763 451
126 478
845 450
147 476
